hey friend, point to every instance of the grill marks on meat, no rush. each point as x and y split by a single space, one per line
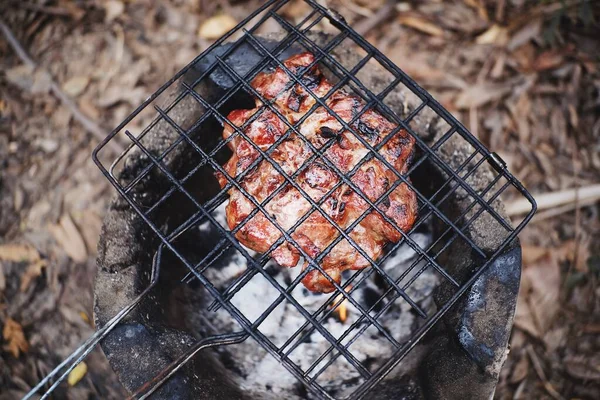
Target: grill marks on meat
343 206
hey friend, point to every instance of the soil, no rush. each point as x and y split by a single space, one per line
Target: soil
523 76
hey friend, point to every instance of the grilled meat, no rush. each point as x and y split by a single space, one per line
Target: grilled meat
343 205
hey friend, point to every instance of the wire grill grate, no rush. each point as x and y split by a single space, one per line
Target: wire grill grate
184 138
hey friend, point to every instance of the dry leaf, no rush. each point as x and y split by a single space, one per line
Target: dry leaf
480 94
548 60
27 78
31 273
73 9
76 85
480 7
577 252
525 34
113 9
296 9
538 300
217 26
116 94
372 4
88 108
591 328
555 338
496 34
2 278
521 111
69 238
20 76
416 65
77 373
520 369
91 225
18 253
421 24
85 317
13 334
524 56
583 367
532 253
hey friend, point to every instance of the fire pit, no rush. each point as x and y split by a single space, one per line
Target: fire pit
186 311
462 357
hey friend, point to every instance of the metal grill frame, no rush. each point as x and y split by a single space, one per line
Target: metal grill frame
296 34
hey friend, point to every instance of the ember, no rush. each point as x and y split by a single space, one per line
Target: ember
259 372
342 309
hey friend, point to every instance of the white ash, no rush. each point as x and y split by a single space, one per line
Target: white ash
262 374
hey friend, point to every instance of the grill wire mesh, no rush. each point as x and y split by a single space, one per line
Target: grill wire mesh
184 134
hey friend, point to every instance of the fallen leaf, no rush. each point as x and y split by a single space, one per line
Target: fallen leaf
84 317
525 34
19 253
538 300
520 369
112 9
524 56
548 60
518 340
532 253
555 338
13 334
372 4
31 273
495 34
296 9
76 85
77 373
68 237
2 278
416 66
577 253
583 367
521 111
91 225
480 94
480 7
420 23
88 108
591 328
116 94
217 26
73 9
20 76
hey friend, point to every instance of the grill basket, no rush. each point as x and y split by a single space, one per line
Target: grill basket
186 106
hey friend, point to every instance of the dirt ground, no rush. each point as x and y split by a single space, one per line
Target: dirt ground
523 76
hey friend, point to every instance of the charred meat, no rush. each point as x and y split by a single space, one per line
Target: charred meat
316 179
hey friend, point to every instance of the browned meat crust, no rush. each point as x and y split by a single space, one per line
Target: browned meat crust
343 205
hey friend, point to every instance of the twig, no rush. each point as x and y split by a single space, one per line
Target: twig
520 390
537 366
500 8
545 9
556 211
572 197
87 123
50 10
357 9
366 25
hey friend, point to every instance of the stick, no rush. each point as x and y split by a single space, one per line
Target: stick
385 12
537 366
556 211
583 195
91 126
